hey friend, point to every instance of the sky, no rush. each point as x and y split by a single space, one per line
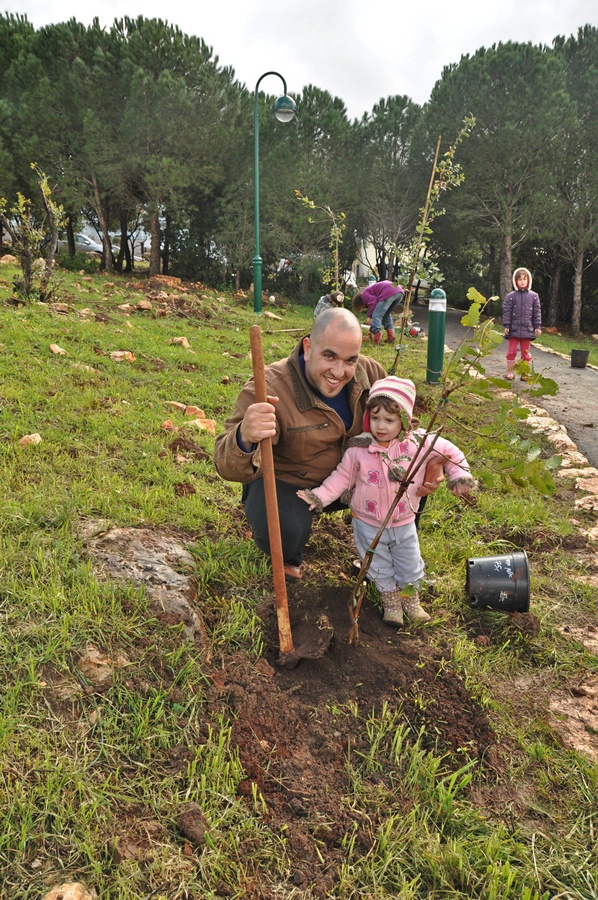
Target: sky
358 50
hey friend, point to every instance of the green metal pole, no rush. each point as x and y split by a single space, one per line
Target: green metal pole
257 259
436 330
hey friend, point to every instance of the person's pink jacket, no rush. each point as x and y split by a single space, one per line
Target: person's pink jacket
366 469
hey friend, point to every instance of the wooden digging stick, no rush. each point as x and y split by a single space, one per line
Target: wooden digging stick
285 636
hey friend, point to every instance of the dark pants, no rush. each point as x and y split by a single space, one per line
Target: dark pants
295 516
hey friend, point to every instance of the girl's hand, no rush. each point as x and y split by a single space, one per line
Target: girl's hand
461 490
308 497
538 332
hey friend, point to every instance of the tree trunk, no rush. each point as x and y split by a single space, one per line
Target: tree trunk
576 309
52 226
70 236
102 219
553 293
166 250
124 253
154 266
506 266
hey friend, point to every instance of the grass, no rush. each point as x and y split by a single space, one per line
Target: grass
564 344
75 762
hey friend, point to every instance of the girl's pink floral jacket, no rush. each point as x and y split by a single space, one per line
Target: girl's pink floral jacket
372 474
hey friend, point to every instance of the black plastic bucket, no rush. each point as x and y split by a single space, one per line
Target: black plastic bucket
499 582
579 358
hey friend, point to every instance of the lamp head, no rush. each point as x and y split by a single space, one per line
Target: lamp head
284 108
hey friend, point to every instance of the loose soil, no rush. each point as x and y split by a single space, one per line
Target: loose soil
295 734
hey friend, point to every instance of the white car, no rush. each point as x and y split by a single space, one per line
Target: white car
83 244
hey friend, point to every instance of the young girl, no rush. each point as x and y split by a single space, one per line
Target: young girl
329 301
371 468
521 319
379 299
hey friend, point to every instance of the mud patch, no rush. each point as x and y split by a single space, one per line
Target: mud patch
295 730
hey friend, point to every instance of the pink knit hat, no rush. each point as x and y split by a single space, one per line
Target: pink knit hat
401 390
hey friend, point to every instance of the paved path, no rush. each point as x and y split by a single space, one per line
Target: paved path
575 405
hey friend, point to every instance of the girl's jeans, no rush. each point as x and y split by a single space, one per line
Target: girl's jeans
524 344
397 559
381 317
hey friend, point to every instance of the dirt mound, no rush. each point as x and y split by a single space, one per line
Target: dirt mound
294 739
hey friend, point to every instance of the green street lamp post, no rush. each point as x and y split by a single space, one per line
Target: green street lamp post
284 110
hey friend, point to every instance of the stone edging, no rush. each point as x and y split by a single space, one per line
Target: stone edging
562 355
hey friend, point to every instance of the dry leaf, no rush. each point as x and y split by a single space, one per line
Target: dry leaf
180 406
30 439
168 425
271 315
56 349
125 306
98 667
119 355
181 341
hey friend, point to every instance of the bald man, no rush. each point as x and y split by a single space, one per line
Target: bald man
316 400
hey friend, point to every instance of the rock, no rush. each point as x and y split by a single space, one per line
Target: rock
181 342
156 562
8 259
30 439
70 891
168 280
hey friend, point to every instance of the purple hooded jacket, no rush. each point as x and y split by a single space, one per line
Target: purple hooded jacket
373 294
521 312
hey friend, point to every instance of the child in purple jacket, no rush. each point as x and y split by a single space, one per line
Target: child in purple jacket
373 464
521 319
379 299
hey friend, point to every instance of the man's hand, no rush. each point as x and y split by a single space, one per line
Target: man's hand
433 478
259 422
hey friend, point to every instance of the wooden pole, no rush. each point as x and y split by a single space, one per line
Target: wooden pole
280 588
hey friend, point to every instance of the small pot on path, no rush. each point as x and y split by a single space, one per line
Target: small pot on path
579 358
